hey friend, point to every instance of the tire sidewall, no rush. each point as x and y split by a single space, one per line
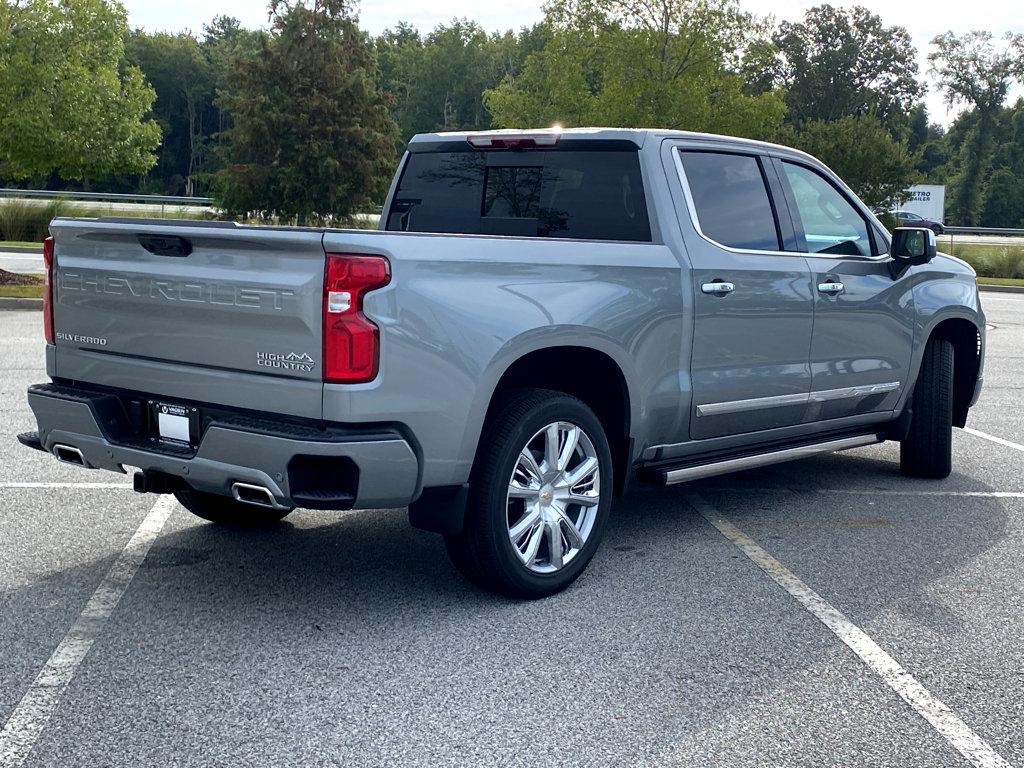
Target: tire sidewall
927 449
492 498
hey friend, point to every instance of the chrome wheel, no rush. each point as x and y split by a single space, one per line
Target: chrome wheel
553 497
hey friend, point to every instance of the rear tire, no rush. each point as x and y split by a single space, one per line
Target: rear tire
227 511
539 496
927 450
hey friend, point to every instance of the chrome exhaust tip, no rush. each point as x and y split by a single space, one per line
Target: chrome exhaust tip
251 494
69 454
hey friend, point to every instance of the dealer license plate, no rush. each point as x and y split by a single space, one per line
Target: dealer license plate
176 423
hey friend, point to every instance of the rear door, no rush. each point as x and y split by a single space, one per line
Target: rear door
864 319
752 296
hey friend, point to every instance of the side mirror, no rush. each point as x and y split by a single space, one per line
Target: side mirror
913 245
910 246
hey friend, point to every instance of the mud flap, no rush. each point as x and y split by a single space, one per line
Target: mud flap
441 510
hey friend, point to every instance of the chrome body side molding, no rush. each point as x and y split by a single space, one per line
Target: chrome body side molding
853 392
796 399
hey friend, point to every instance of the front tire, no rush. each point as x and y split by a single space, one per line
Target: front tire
539 496
227 511
927 450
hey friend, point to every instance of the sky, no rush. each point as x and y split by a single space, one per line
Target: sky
924 21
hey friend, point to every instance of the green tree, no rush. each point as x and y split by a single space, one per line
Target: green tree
444 79
1004 200
863 153
397 51
929 143
655 63
310 134
1004 190
225 38
186 72
68 101
438 80
558 84
180 73
972 70
839 62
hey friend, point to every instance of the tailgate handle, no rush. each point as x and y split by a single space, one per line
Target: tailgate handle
166 245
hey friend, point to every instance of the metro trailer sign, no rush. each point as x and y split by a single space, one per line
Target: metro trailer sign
927 200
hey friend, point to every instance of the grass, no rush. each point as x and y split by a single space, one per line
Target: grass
990 261
22 286
22 292
1001 281
26 222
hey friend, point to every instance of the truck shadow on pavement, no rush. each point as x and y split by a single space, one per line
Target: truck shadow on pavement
374 559
670 635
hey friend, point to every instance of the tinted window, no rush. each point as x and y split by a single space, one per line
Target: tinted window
830 223
591 195
731 199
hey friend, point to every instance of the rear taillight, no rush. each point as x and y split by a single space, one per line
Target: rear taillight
48 290
351 340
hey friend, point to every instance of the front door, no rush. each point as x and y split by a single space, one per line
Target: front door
863 318
752 299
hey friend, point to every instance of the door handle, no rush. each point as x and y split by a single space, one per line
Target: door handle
718 288
831 287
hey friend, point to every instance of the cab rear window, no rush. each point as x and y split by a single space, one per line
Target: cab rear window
586 195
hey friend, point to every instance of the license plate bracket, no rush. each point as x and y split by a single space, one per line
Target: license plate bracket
175 423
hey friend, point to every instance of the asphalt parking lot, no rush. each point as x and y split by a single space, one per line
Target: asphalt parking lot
348 639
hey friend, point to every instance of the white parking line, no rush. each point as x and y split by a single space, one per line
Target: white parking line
872 492
909 493
945 721
994 439
28 485
32 714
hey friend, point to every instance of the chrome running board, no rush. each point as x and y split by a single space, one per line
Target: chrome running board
671 476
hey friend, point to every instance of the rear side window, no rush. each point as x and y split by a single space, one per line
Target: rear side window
730 196
587 195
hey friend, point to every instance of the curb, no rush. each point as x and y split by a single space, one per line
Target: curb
1001 289
22 250
20 303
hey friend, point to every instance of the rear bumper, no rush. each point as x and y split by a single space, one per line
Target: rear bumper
302 466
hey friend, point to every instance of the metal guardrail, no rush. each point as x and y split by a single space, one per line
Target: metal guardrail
107 196
983 231
181 200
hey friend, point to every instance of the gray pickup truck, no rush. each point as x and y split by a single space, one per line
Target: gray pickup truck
542 320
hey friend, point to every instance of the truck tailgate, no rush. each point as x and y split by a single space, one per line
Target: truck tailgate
203 307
